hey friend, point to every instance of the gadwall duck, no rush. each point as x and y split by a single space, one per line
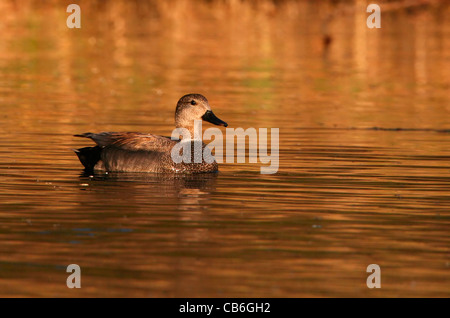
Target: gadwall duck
138 152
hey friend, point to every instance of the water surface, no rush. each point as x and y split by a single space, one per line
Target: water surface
364 170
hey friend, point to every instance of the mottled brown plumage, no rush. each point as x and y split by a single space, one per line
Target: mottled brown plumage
138 152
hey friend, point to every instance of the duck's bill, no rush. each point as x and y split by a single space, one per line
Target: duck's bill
211 118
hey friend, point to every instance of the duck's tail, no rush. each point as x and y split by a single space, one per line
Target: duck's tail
89 156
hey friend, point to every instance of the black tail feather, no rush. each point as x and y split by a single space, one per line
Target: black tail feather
89 156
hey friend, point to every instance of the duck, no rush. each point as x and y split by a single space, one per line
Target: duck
142 152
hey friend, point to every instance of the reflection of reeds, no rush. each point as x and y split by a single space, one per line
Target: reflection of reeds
128 53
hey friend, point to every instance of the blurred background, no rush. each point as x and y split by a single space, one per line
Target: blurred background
364 148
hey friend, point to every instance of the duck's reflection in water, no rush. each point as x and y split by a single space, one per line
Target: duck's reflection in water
186 192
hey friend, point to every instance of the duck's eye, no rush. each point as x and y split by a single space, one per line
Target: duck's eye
193 102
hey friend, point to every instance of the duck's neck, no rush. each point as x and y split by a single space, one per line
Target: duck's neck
195 131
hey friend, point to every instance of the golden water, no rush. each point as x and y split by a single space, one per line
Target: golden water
346 195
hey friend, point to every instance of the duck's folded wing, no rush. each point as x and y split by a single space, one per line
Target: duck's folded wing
131 141
133 152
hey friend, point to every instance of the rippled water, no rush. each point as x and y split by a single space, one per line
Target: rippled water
364 170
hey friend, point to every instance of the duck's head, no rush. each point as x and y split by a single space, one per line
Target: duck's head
195 107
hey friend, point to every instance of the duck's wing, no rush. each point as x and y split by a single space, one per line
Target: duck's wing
131 141
132 152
